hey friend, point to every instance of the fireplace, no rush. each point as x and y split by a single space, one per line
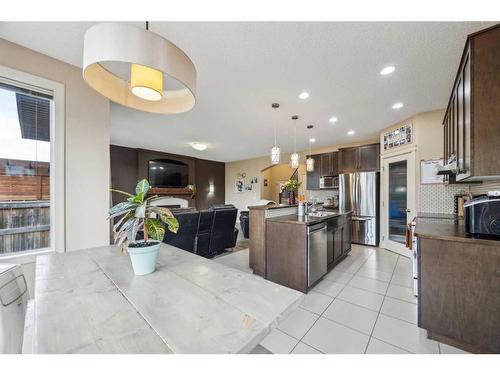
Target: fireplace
171 202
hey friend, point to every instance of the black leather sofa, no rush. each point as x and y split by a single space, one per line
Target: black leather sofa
206 232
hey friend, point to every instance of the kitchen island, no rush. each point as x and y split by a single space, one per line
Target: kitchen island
297 251
90 301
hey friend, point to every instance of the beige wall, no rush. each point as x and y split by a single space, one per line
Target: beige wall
86 145
253 168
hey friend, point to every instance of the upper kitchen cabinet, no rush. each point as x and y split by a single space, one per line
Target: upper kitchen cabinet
329 164
471 124
359 159
324 165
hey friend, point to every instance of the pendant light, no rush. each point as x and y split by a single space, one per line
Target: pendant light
275 151
309 160
151 59
294 158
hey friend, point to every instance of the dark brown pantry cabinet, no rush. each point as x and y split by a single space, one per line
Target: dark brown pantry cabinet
471 124
364 158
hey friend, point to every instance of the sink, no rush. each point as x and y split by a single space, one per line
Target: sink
320 214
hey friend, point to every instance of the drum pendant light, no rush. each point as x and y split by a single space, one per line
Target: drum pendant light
294 158
309 160
146 83
162 78
275 151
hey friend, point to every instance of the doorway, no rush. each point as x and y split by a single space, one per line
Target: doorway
398 200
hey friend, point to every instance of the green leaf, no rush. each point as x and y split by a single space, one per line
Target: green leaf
138 199
120 207
142 187
166 217
155 229
172 223
160 211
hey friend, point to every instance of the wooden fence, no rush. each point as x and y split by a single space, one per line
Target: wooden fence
24 205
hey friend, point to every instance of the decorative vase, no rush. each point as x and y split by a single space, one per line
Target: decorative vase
291 197
144 258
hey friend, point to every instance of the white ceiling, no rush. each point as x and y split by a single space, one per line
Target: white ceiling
244 67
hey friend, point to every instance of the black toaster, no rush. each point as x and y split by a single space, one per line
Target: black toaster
482 216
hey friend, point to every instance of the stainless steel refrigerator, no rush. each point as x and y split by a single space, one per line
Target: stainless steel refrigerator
359 193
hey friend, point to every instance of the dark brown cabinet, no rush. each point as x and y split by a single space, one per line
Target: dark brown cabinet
458 303
324 165
339 238
359 159
470 125
348 159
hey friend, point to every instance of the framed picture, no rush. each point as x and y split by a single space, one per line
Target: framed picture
398 137
239 186
265 182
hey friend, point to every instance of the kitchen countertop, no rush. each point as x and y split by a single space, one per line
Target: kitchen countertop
90 301
271 206
307 220
447 227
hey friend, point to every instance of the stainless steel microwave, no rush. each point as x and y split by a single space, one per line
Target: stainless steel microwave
328 182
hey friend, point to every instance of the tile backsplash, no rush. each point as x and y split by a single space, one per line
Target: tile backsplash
440 198
321 195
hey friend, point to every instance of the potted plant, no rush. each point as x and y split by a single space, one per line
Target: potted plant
135 215
292 186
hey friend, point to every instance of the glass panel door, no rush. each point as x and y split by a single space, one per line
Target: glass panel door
25 139
398 201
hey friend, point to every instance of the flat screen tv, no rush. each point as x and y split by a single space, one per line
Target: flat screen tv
168 173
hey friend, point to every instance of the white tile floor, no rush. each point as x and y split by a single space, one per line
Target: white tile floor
364 305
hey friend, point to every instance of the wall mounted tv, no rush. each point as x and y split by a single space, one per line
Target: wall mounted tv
168 173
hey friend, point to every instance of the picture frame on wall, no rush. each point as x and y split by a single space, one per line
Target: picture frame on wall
403 135
239 186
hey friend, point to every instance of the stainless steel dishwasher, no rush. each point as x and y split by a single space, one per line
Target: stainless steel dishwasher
13 300
316 252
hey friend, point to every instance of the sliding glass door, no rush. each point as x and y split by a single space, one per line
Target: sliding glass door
25 168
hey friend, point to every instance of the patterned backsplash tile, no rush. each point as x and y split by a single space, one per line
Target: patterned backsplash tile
440 198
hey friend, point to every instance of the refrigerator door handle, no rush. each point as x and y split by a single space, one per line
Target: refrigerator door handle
357 193
354 218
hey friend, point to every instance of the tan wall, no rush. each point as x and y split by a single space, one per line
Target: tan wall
86 145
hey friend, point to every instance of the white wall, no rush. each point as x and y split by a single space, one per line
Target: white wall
87 165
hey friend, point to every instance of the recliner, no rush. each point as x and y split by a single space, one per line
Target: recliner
223 233
185 238
205 233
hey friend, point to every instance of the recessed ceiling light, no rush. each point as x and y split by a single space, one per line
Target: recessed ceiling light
350 132
397 105
199 146
312 140
387 70
333 119
304 95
